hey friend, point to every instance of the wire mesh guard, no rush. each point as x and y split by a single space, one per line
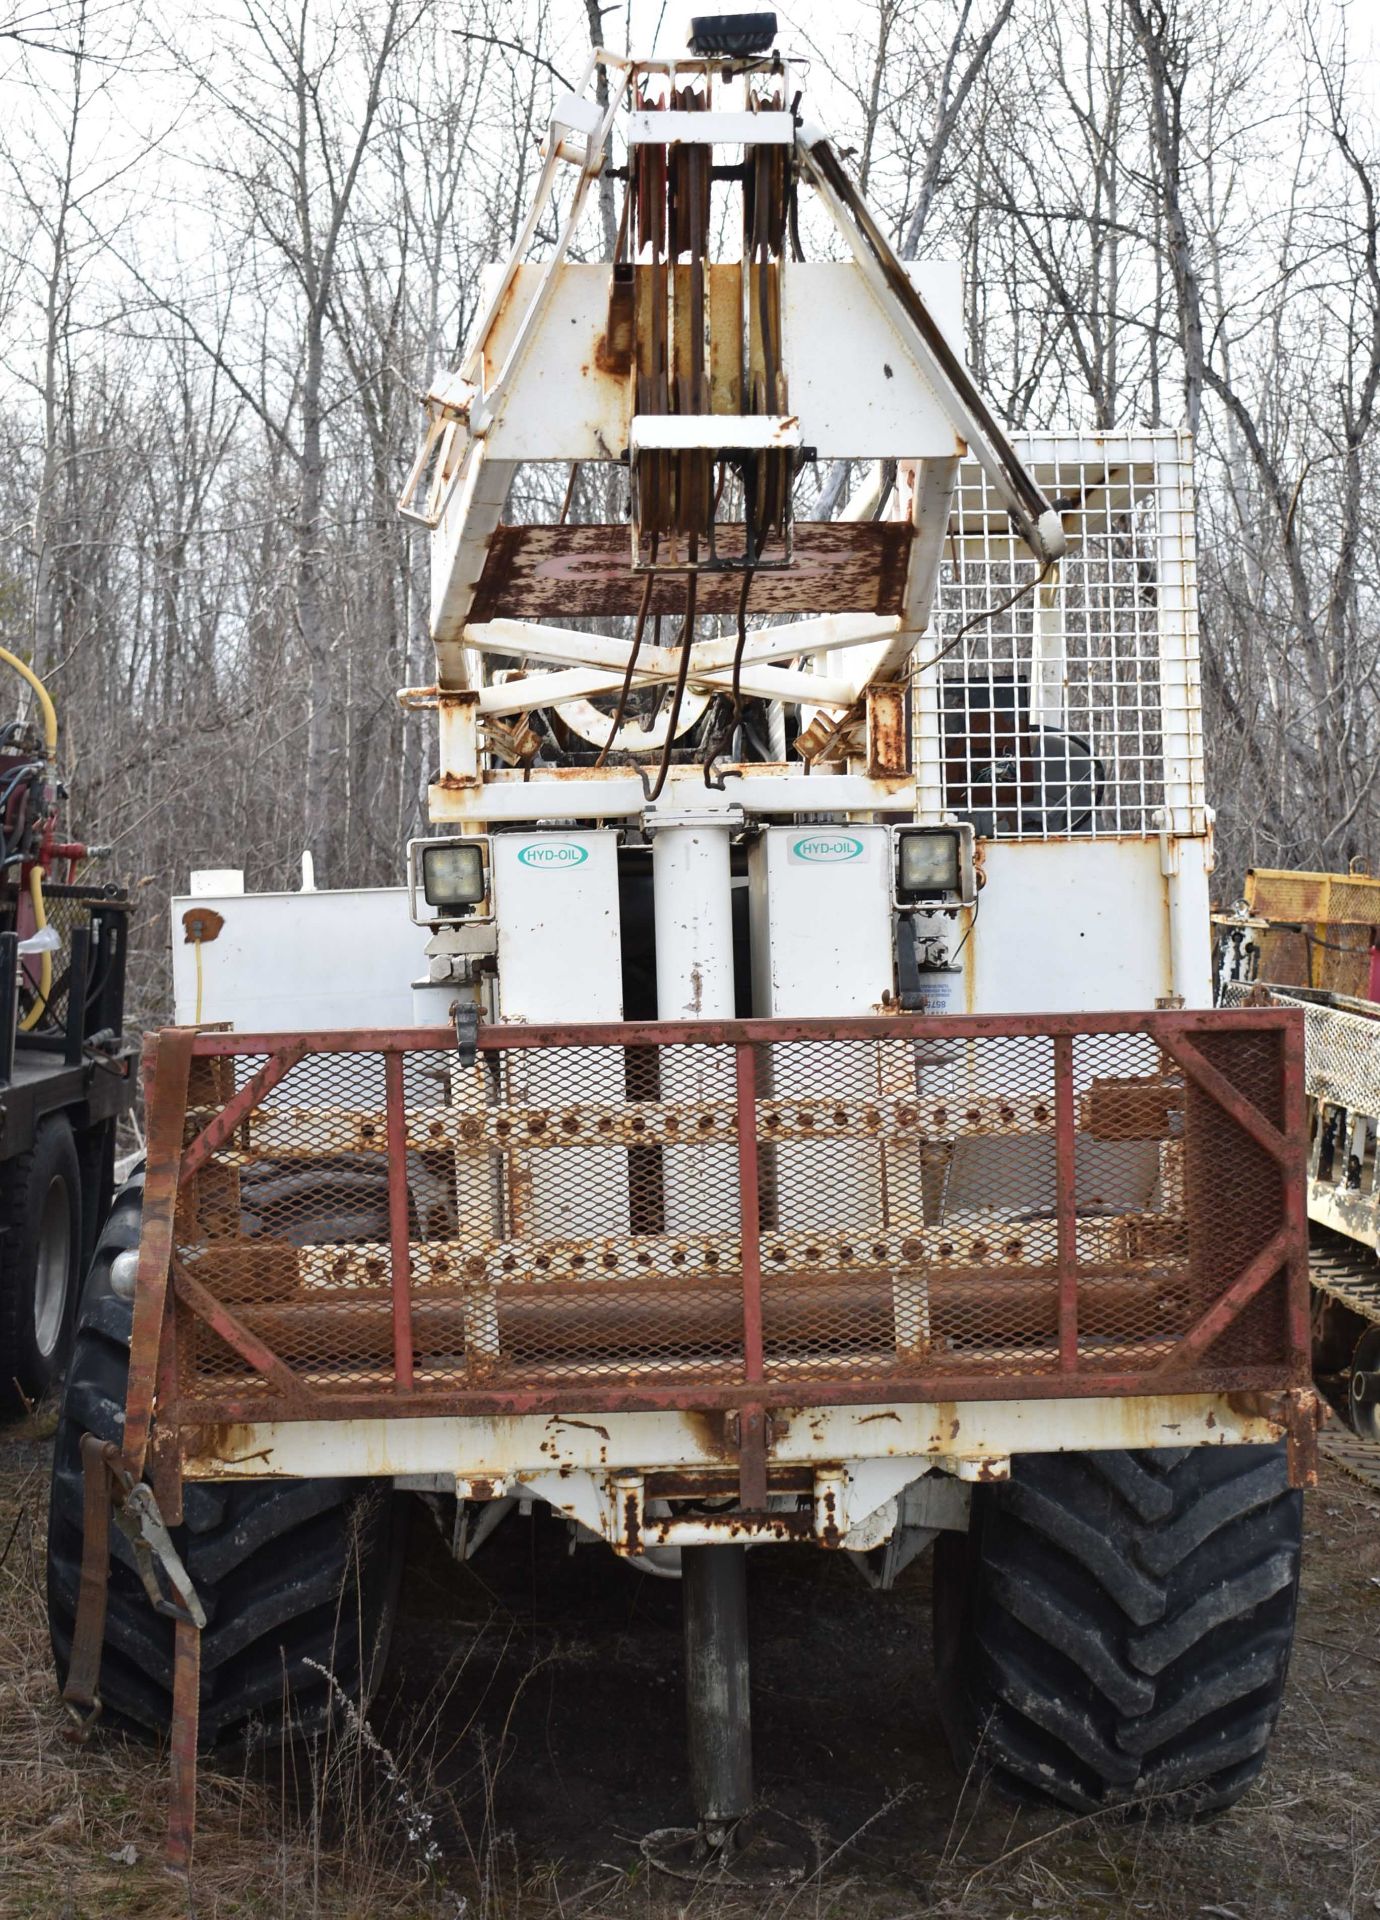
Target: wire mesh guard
88 923
911 1208
1074 709
1342 1083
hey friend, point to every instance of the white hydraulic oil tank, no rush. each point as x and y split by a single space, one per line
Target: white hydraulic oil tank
822 946
820 912
560 961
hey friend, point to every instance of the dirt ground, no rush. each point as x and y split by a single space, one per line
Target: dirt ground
528 1737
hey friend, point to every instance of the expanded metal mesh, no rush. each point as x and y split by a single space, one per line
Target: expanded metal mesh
566 1221
1073 708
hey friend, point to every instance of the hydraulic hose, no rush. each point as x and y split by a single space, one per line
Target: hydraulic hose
45 704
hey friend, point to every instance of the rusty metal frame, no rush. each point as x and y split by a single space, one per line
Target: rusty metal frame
279 1394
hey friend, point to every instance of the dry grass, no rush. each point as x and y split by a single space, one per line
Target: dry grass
335 1835
354 1831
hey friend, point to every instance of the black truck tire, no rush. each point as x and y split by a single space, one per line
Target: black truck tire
40 1263
1115 1627
299 1578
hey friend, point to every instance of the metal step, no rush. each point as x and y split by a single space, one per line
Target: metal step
1360 1458
1347 1271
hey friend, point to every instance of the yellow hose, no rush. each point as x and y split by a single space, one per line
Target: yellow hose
45 960
45 705
50 741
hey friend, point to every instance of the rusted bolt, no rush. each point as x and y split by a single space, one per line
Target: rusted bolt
711 1257
474 1267
605 1123
509 1264
366 1129
471 1127
570 1123
805 1118
706 1123
537 1123
639 1125
912 1249
840 1116
906 1115
973 1116
1041 1114
436 1129
678 1257
941 1116
608 1261
778 1253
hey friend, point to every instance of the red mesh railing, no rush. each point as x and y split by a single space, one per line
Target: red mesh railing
898 1208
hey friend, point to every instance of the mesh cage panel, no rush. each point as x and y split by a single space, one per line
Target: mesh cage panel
911 1207
1070 707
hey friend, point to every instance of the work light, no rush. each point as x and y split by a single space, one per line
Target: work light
934 865
448 879
928 863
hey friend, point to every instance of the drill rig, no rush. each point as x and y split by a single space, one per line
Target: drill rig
810 1122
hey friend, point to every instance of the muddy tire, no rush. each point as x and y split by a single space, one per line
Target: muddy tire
299 1578
40 1263
1115 1628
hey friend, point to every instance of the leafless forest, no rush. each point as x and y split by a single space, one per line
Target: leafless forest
237 241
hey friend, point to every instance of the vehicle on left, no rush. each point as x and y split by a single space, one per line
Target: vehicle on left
66 1070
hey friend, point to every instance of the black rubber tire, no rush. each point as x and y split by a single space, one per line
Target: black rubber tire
32 1357
299 1578
1115 1628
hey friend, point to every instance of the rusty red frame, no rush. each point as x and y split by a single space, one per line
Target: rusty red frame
1185 1368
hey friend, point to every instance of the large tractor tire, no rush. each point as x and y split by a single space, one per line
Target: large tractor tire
40 1262
1115 1627
299 1578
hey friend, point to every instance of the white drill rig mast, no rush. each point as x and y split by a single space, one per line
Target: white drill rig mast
688 369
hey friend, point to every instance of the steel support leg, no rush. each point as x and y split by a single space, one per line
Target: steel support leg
714 1594
182 1747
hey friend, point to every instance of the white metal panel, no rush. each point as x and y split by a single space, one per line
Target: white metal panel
661 127
1070 926
301 962
853 382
